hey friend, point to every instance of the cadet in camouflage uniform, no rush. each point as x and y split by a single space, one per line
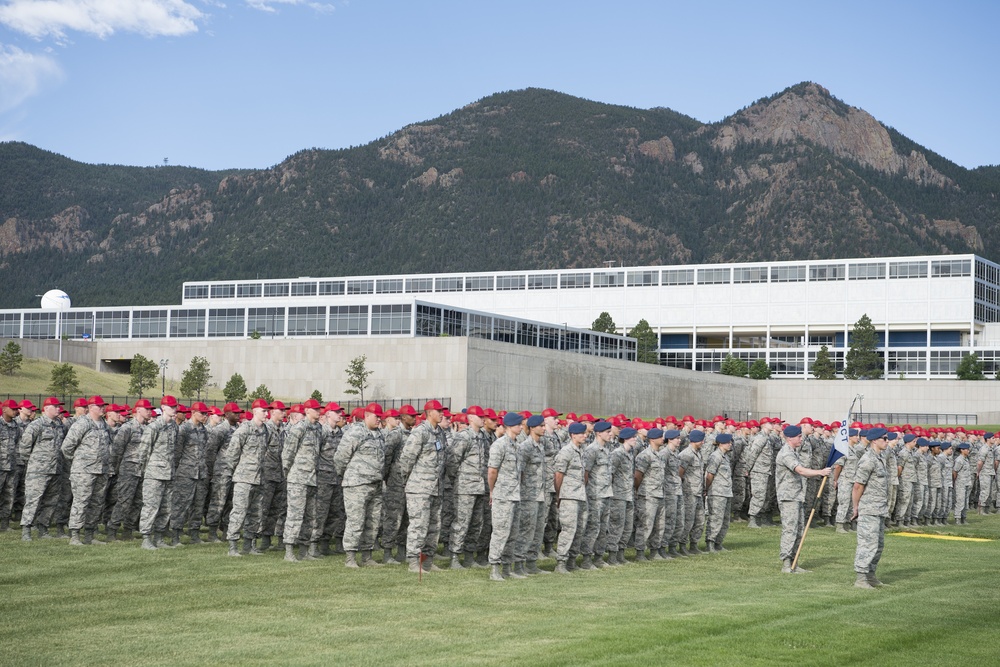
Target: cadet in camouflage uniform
986 470
156 461
422 465
622 515
394 497
272 485
673 497
739 454
360 462
330 515
919 507
299 460
947 489
906 470
125 459
10 433
719 493
505 468
597 462
844 469
39 452
693 481
571 498
531 508
221 491
490 425
87 450
790 476
190 469
554 438
962 479
649 492
759 464
870 499
467 467
245 456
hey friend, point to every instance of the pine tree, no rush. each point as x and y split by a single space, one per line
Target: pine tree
863 361
759 370
235 389
63 381
195 378
261 392
970 368
734 366
316 395
646 349
604 324
10 358
823 368
143 372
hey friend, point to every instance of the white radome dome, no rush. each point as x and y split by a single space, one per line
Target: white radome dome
55 299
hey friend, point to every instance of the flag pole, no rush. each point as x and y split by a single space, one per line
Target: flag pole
819 494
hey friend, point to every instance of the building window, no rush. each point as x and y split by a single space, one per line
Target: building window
275 289
907 362
867 271
643 279
39 325
389 286
391 319
609 278
543 281
574 280
225 323
713 276
945 362
950 268
10 325
677 360
428 321
787 363
77 325
360 286
149 324
453 284
821 272
187 323
307 321
111 324
678 277
348 320
453 322
510 282
750 274
266 321
480 326
196 291
527 334
709 362
248 290
788 274
224 291
331 287
504 330
907 269
415 285
479 284
303 289
823 339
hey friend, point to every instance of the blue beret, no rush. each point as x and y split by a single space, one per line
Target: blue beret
601 426
723 438
655 433
696 436
792 430
627 433
945 446
964 445
854 432
892 435
671 433
512 419
577 427
987 435
921 442
863 433
876 433
535 420
908 437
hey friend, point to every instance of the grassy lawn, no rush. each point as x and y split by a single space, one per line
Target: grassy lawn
193 605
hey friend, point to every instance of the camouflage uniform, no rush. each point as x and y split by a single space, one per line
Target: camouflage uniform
553 443
467 467
760 464
597 462
422 465
572 503
330 515
360 462
505 458
845 482
87 450
10 433
919 506
673 501
790 488
719 496
622 515
394 497
934 487
962 482
156 460
245 456
694 496
39 451
739 454
986 474
531 509
272 486
128 489
299 460
906 460
650 507
873 507
486 533
945 462
190 470
221 491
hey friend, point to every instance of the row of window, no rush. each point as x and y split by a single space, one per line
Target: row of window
899 362
540 281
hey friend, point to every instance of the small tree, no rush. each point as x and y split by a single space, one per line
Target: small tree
759 370
316 395
254 335
10 358
823 368
261 392
357 376
195 378
734 366
970 368
63 381
863 360
235 389
604 324
646 349
143 372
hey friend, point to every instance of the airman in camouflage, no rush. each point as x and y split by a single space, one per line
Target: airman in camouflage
571 498
597 462
190 469
394 496
221 490
505 467
759 464
649 492
790 476
693 480
87 450
245 456
360 462
330 515
299 461
10 433
156 460
272 486
125 459
531 508
39 452
467 466
622 515
422 465
719 493
870 499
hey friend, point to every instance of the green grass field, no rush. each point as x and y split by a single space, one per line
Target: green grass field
118 604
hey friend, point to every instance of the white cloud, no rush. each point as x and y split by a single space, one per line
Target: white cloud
269 5
23 75
102 18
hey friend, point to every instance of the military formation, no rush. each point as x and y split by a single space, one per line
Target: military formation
496 490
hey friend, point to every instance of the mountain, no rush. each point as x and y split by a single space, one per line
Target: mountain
518 180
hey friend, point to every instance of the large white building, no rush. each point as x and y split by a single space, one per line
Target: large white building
929 311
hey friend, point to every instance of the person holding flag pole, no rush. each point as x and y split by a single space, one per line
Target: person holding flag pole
790 486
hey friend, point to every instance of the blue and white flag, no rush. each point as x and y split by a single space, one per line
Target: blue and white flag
841 443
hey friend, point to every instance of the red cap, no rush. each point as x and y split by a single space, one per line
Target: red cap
9 403
492 414
333 406
311 404
460 418
277 405
433 404
408 410
143 403
392 412
688 418
80 403
259 403
300 409
96 400
51 400
247 416
374 408
475 411
587 418
169 401
199 407
549 412
231 407
183 409
215 410
31 406
358 413
572 416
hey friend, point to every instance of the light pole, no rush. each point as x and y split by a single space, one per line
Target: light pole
163 376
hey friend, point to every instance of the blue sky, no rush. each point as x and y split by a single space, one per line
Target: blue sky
245 83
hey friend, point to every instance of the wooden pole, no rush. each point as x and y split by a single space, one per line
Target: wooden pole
812 512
